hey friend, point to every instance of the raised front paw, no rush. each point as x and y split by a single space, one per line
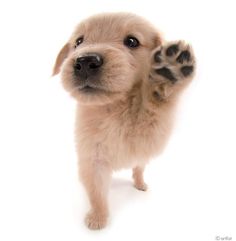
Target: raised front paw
172 62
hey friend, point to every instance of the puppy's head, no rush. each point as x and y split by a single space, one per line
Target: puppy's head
106 56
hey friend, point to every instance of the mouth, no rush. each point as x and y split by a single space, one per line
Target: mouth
87 88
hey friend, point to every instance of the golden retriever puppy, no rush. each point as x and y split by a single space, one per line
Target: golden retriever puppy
126 80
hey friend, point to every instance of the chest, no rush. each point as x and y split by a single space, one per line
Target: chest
123 138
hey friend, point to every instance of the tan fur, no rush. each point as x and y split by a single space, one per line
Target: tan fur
60 58
129 119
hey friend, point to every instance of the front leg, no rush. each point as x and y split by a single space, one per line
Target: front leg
172 68
95 174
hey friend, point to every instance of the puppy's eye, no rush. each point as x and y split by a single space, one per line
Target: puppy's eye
131 42
79 41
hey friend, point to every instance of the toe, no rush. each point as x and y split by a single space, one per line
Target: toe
186 70
172 50
95 221
141 186
157 56
184 56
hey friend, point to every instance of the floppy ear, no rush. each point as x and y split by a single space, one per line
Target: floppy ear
60 58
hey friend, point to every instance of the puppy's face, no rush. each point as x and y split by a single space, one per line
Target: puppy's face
106 56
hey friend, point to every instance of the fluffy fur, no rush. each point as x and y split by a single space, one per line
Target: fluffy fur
127 119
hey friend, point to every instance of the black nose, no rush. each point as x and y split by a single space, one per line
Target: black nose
88 65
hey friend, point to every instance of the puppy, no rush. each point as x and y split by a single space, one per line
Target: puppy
127 81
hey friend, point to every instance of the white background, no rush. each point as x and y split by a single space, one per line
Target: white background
191 186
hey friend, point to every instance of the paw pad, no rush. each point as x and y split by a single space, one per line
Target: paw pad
186 70
184 56
172 50
165 72
173 62
157 56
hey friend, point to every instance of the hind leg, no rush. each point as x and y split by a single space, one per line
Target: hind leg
138 178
